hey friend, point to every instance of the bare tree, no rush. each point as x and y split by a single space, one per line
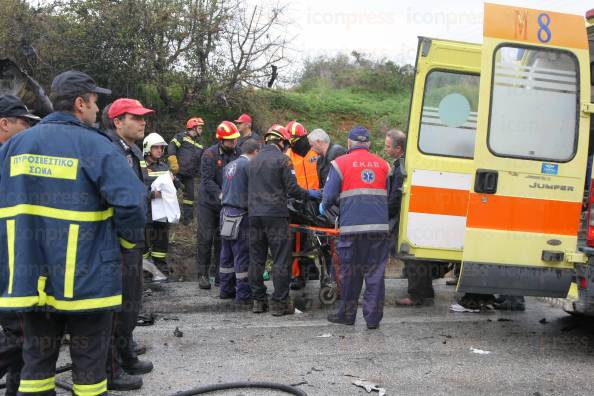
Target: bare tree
256 43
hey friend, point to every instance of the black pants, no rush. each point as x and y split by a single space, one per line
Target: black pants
270 232
420 279
11 351
89 341
209 241
157 243
189 197
124 322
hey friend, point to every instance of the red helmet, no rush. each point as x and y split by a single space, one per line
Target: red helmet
194 122
227 130
296 129
278 131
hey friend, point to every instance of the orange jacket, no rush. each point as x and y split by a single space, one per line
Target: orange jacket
306 170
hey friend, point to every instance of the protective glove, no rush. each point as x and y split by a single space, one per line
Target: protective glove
315 194
322 208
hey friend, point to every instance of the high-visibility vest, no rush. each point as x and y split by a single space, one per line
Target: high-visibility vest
363 194
306 170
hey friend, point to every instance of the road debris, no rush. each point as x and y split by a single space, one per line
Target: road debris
479 351
460 308
369 386
177 332
325 335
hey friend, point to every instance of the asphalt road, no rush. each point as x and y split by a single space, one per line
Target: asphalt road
416 351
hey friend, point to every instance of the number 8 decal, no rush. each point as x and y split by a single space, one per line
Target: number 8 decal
544 33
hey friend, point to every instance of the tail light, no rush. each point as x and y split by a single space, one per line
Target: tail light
590 218
583 284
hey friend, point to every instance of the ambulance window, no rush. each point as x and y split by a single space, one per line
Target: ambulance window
534 104
448 119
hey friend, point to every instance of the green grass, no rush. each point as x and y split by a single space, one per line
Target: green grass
337 110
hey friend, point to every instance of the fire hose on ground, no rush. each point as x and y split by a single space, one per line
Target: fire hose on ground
203 389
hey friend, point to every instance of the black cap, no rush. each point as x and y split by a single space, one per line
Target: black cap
74 83
12 106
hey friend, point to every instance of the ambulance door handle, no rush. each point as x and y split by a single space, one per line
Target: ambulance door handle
486 181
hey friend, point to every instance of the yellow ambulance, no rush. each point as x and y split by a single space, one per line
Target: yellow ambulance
497 151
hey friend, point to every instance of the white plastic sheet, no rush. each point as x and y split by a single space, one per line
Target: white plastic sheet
165 209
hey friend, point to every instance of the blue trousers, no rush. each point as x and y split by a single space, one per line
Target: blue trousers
235 260
362 257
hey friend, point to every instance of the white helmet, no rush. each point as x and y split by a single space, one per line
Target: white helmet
152 139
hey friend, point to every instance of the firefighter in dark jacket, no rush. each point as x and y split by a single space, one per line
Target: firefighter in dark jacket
244 126
128 119
14 118
157 232
271 180
71 185
184 157
235 249
214 159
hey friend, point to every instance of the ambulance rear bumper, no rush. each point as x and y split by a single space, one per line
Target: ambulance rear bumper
485 278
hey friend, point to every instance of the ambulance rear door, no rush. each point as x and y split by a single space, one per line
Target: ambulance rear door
439 150
530 155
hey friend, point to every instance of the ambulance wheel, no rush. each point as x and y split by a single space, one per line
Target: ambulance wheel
328 295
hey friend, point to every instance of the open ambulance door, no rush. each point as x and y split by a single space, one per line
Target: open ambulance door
530 155
439 150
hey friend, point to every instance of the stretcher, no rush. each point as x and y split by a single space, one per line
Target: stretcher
323 252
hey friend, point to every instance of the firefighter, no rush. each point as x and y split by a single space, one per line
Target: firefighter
75 194
14 118
214 159
184 156
359 182
157 232
235 249
128 119
244 126
270 181
305 162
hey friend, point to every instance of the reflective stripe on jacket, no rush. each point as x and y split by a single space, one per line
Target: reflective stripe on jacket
68 199
188 152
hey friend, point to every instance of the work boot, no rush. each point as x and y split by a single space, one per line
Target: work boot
510 303
297 283
225 296
334 318
280 308
204 283
260 306
124 382
137 367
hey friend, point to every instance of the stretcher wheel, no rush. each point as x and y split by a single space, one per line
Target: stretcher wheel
328 295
